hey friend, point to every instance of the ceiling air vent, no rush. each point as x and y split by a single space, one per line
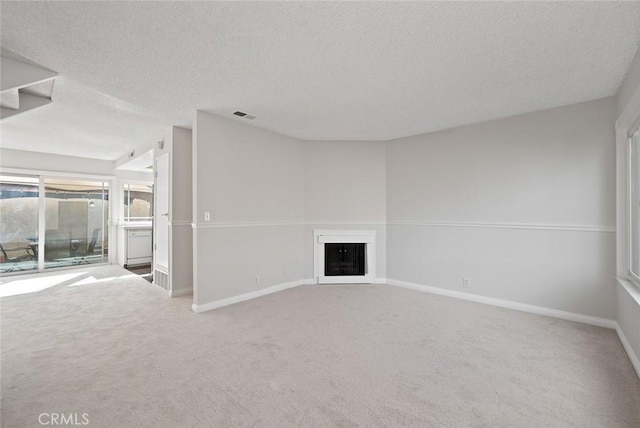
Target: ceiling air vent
245 115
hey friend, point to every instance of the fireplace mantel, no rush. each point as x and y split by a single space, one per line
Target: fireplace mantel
320 237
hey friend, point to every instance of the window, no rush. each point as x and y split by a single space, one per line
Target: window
52 222
634 204
18 223
138 202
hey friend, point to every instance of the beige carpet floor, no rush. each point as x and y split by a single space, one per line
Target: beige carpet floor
106 343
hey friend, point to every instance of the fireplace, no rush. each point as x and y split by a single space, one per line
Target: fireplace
344 259
344 256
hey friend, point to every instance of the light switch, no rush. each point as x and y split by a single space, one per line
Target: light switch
207 216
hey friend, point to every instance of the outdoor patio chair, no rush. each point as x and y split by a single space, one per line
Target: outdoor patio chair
12 263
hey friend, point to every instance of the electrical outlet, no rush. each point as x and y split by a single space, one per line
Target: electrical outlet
284 273
466 282
257 279
207 216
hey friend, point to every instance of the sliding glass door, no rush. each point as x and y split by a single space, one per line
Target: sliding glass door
18 223
52 222
76 213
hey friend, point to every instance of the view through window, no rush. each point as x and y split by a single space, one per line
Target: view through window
18 222
138 202
75 228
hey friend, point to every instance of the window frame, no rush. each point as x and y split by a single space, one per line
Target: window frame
625 125
631 198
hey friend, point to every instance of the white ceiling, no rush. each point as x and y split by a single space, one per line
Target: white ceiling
80 122
317 71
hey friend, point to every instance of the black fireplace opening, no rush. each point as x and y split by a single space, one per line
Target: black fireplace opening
344 259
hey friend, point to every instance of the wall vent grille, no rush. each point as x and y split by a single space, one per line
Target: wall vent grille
244 115
161 279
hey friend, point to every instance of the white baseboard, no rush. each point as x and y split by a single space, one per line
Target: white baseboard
247 296
635 362
181 292
380 281
173 293
540 310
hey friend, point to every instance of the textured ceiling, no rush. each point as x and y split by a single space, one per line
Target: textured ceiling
319 71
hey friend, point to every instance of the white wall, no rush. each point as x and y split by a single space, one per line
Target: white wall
252 183
178 145
628 297
266 194
344 188
523 207
181 235
628 316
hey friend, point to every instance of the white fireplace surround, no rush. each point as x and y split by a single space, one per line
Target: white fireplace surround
321 237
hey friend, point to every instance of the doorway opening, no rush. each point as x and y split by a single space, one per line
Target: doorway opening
137 228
